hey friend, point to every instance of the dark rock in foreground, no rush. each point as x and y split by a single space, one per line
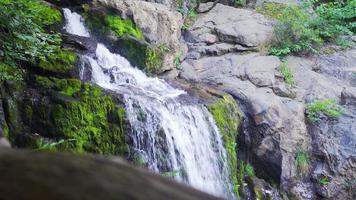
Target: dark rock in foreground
36 175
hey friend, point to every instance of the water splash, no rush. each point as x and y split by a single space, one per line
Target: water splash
169 136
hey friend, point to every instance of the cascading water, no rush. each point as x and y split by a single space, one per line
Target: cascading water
168 135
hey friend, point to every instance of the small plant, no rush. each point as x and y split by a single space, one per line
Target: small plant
287 73
249 170
327 107
50 145
177 58
189 20
324 180
173 173
302 161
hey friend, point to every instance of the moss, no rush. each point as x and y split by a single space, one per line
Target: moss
122 27
73 116
60 62
227 116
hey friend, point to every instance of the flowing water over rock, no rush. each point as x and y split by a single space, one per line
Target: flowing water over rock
168 136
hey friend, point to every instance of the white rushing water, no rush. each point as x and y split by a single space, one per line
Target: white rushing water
167 135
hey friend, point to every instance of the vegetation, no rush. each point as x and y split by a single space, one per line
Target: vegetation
22 31
154 57
299 31
302 161
8 72
227 116
249 170
79 118
122 27
287 73
61 61
173 173
324 180
327 107
50 145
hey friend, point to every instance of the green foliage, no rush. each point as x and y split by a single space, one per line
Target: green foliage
22 31
190 19
122 27
60 61
302 161
249 170
327 107
227 116
324 180
300 31
287 73
177 58
154 58
293 33
8 72
173 173
43 145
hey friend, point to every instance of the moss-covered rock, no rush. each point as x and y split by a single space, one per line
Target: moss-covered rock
61 62
125 34
66 115
227 116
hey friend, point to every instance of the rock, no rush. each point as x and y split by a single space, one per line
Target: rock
258 3
275 127
73 177
348 96
4 142
160 25
232 25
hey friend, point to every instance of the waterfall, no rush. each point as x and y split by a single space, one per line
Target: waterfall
167 134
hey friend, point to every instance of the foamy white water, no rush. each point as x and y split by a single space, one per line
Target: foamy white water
167 134
74 23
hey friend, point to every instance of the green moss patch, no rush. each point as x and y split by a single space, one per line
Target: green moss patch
122 27
227 116
68 115
60 62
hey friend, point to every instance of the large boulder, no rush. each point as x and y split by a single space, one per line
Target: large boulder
160 25
224 24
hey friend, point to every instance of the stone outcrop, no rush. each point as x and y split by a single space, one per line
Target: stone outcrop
275 128
226 29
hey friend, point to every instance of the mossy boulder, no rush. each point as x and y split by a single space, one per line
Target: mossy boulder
65 115
61 62
227 116
123 33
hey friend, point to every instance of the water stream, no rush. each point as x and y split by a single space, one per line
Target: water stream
169 136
